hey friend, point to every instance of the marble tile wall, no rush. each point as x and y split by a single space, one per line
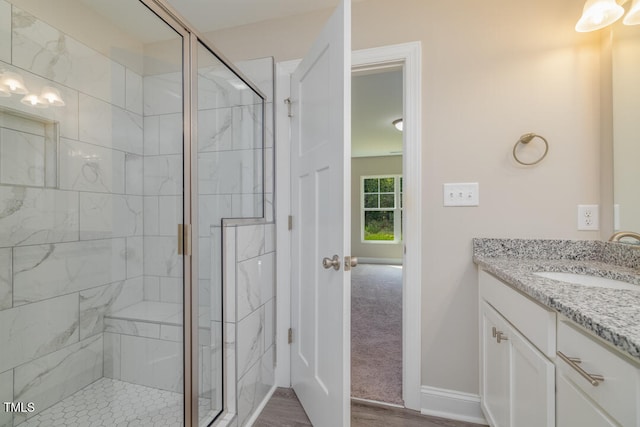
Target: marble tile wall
262 74
71 197
162 162
249 285
143 342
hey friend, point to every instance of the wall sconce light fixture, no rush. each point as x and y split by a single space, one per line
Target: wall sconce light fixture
13 83
598 14
633 16
34 100
52 96
398 124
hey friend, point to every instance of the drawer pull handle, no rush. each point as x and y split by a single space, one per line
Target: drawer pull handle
494 331
574 362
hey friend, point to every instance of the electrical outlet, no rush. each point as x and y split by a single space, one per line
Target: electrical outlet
588 217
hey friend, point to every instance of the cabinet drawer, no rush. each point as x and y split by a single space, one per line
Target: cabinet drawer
534 321
573 408
618 394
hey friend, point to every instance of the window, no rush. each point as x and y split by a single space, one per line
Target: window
381 209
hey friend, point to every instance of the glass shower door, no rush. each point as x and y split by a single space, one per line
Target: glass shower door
230 184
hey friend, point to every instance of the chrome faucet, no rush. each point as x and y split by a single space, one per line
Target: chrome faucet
621 234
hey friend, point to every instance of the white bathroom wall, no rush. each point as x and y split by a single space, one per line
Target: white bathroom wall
71 232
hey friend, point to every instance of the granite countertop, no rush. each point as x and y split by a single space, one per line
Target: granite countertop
611 314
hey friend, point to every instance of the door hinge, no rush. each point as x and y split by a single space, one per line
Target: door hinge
290 223
288 102
184 239
290 336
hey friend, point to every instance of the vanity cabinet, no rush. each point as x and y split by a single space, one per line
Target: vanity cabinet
517 379
537 368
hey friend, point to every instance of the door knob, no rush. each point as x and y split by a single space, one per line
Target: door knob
331 262
349 262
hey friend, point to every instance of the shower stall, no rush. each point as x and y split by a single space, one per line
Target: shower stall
125 141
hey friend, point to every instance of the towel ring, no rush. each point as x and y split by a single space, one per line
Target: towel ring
525 139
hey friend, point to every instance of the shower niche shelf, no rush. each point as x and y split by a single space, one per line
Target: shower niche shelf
28 149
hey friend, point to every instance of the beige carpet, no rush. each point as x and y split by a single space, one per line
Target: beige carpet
376 333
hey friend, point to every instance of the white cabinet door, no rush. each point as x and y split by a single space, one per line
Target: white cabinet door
517 381
494 377
532 384
575 409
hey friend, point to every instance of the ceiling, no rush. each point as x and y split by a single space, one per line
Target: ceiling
211 15
376 101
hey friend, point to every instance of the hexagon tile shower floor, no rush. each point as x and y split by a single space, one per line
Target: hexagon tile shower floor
114 403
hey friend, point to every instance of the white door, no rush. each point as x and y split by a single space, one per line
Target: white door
320 166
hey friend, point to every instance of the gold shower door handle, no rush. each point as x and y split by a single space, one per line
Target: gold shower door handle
331 262
184 239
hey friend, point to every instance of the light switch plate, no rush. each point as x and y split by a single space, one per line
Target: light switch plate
461 194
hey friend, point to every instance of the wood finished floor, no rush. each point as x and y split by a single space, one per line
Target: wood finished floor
284 410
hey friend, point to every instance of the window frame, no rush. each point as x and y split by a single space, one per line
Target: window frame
397 209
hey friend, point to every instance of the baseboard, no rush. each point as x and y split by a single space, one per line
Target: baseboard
375 402
260 407
388 261
451 404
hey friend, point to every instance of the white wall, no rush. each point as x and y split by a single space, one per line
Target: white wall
492 71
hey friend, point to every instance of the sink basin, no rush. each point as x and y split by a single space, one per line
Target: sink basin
588 280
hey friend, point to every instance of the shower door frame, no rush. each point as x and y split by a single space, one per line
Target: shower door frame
190 39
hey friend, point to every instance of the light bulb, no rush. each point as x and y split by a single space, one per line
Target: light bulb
597 18
33 100
52 96
14 82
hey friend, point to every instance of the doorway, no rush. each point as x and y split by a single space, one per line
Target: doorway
408 56
376 234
